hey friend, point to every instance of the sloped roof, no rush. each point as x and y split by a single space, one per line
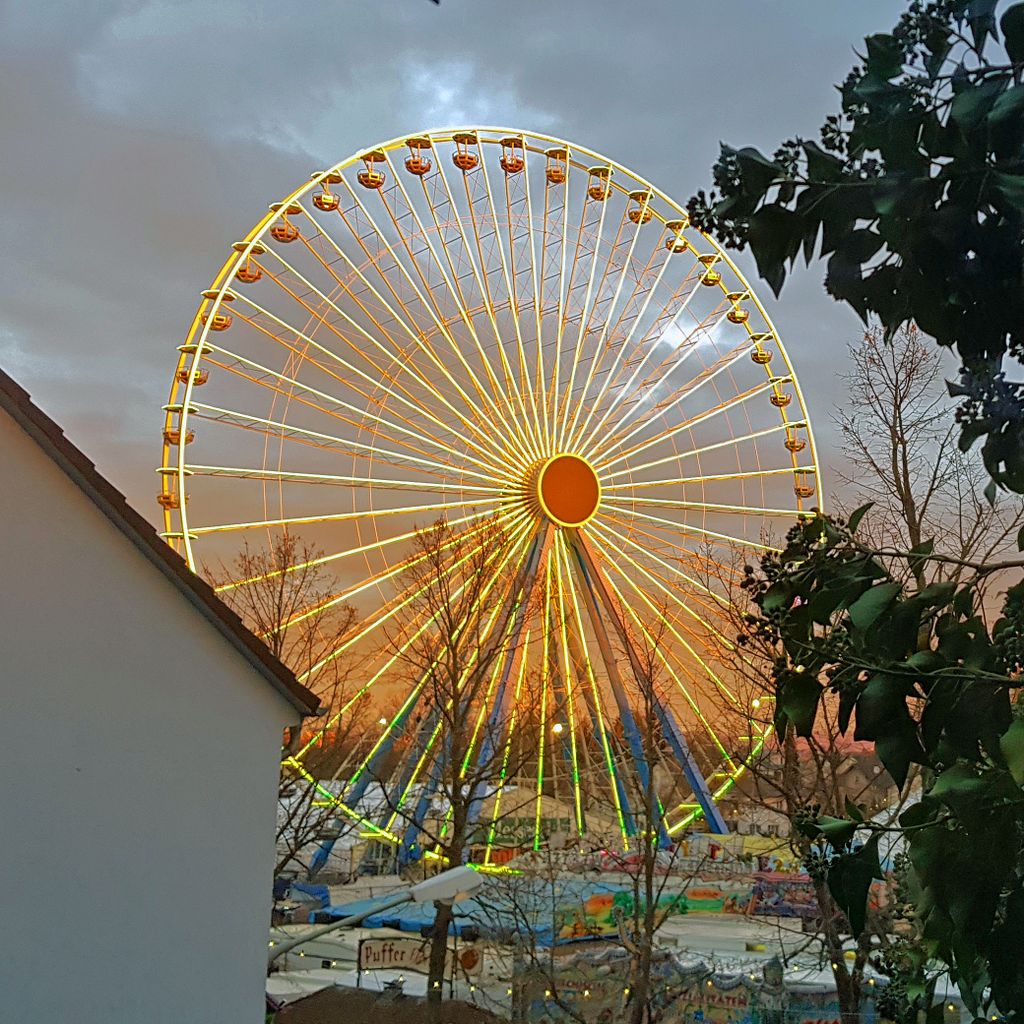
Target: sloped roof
17 402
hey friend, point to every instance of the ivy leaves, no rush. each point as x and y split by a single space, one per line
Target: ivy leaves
917 673
914 195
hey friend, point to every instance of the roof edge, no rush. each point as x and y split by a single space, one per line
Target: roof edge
45 432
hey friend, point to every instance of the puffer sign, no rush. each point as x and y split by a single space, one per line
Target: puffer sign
412 955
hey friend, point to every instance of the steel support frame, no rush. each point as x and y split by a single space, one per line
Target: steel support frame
595 586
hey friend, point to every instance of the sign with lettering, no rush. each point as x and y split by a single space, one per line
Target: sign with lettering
412 955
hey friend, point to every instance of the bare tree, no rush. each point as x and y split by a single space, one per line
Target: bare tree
284 595
645 862
460 646
652 866
800 778
900 440
904 459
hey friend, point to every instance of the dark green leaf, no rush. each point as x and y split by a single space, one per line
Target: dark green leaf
847 700
870 605
963 602
822 166
757 171
982 19
860 245
926 661
1011 188
972 105
774 235
778 597
1008 107
884 56
1011 745
880 706
1012 24
938 44
958 781
937 594
849 881
1007 964
838 831
853 810
897 750
887 193
918 814
798 698
857 515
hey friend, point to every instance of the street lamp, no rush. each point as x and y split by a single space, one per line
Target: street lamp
445 887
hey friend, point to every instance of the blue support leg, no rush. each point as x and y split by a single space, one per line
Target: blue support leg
629 726
498 717
681 749
353 794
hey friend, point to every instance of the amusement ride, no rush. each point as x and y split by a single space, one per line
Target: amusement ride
523 338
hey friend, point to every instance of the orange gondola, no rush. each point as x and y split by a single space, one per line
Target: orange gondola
249 272
512 161
557 169
218 321
599 188
370 177
463 157
642 212
674 240
326 201
711 276
173 436
416 163
202 376
284 230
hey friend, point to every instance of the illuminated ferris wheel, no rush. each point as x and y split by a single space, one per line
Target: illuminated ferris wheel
513 333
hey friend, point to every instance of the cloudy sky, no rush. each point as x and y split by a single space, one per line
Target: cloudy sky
138 139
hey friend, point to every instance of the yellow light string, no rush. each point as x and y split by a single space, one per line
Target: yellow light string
522 434
586 319
607 439
568 681
606 747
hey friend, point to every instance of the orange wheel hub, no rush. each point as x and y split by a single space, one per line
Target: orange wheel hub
568 490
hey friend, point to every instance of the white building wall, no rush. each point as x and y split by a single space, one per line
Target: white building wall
138 777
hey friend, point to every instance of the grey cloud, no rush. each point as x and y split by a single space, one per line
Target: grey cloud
140 139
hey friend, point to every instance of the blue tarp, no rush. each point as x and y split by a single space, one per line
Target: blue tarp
307 892
492 914
411 917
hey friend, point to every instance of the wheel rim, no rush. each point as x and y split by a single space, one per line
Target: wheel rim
526 330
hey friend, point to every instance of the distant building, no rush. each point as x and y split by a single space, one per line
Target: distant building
142 726
840 772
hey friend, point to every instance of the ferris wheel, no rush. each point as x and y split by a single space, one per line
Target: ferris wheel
492 326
